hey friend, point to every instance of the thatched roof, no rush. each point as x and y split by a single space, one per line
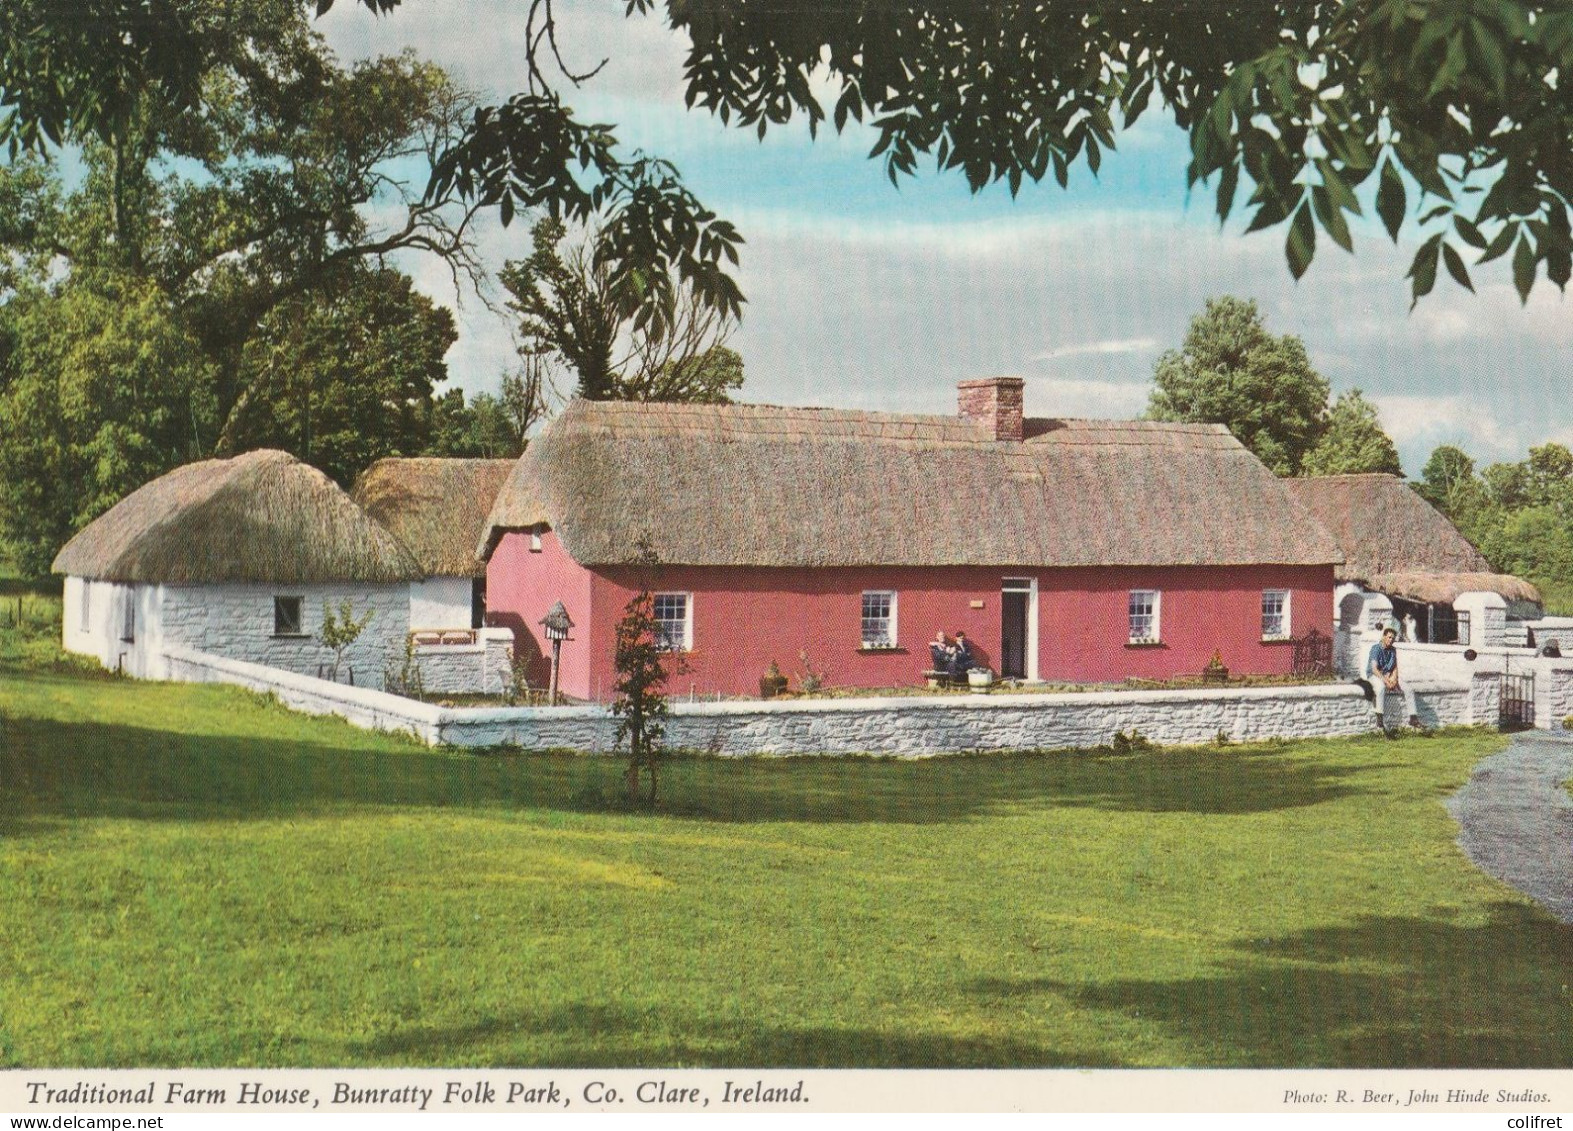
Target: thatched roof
1444 588
260 517
765 486
437 507
1397 543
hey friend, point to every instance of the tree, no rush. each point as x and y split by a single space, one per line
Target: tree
489 427
344 377
1231 371
340 631
571 313
1449 484
92 73
1353 441
249 224
101 389
1300 104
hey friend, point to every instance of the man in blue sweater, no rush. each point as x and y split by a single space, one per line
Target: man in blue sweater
1381 669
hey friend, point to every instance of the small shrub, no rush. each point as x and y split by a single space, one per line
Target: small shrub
341 630
1567 723
1133 743
809 680
1222 739
405 679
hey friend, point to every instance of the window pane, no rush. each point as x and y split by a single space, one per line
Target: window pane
1144 614
286 616
671 616
878 626
1275 608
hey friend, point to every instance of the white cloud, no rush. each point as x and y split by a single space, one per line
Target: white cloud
1109 346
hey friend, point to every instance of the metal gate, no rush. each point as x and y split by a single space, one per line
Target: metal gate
1313 654
1518 702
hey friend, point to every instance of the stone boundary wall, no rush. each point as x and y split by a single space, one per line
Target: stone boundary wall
482 668
907 726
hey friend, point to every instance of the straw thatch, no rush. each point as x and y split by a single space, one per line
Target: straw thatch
1395 542
1444 588
1382 526
261 517
758 485
436 507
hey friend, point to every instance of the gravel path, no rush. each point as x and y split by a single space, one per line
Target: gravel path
1516 818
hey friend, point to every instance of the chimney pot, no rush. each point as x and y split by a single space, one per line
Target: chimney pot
995 403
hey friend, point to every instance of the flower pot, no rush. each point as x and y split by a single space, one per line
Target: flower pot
980 680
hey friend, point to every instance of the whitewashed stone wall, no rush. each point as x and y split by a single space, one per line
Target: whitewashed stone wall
101 633
909 727
441 602
482 668
236 621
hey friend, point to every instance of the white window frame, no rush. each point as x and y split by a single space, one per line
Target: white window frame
688 621
890 637
1156 635
1285 631
128 615
85 608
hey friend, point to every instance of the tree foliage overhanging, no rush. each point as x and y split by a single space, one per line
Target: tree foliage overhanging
1291 109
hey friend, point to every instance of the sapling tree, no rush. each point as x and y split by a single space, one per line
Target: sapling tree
641 660
341 630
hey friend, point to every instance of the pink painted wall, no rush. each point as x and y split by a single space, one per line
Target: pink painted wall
521 587
744 618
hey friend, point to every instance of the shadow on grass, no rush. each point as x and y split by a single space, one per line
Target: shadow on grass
585 1035
53 768
1399 991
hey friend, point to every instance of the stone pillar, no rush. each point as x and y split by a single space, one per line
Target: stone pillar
1485 698
1487 618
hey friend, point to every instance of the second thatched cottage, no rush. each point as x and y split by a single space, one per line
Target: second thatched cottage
1076 550
235 558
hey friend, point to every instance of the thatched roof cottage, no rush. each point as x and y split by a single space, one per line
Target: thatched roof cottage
1438 587
438 509
236 558
1081 550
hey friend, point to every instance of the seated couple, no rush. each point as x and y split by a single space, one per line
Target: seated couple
953 658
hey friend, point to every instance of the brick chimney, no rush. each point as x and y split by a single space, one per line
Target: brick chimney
995 403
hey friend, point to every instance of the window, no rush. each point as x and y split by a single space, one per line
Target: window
535 540
1275 614
128 627
1144 609
674 629
85 610
287 616
879 619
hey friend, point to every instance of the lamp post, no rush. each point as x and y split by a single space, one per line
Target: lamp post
556 623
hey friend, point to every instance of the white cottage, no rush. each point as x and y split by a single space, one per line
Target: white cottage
438 508
236 558
1407 566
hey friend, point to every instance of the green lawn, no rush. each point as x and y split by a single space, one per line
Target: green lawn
190 875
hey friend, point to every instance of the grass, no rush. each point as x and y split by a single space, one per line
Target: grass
192 875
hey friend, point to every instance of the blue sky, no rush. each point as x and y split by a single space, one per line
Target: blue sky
862 295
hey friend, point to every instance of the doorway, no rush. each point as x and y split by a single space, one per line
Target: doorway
1018 628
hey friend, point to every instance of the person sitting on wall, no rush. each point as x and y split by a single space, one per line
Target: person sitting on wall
1382 669
960 658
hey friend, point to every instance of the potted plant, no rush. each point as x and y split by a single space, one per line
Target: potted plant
772 683
979 678
1215 672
